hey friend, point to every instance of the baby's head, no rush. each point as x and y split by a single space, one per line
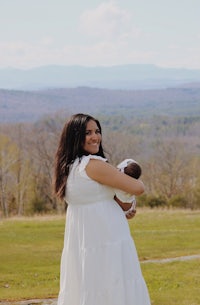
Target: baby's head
133 169
130 167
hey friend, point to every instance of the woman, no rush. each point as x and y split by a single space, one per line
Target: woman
99 264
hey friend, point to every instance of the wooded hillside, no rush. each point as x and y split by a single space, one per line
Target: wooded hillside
30 106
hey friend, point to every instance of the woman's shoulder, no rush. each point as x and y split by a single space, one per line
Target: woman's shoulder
85 160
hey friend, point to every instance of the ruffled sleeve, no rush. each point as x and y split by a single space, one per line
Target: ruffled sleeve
85 160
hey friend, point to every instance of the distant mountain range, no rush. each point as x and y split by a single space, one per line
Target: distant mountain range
133 76
30 106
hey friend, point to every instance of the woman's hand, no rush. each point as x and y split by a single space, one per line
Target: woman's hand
128 208
130 214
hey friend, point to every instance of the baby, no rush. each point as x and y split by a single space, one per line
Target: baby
133 169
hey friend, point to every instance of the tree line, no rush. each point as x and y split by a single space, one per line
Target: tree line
166 148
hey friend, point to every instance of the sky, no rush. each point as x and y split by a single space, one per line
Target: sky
35 33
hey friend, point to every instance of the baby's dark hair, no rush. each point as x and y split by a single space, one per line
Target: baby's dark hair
133 169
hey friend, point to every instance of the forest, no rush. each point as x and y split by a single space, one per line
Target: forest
167 148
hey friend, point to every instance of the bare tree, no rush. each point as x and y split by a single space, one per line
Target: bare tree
119 146
8 157
168 172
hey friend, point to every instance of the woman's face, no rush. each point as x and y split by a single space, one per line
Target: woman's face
92 138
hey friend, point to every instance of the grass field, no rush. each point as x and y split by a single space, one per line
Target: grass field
30 250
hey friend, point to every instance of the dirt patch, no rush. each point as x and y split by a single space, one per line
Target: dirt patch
172 259
31 302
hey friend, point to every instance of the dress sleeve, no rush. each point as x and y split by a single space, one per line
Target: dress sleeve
85 160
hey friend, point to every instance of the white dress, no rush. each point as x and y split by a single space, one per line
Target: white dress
99 264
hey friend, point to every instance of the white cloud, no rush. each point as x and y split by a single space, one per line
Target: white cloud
21 54
109 37
24 55
106 34
108 22
112 28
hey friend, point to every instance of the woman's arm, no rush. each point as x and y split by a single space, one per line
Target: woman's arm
107 174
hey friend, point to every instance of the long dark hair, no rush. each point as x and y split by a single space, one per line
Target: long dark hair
70 147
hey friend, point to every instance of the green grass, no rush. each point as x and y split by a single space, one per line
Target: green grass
175 283
30 251
164 234
30 257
